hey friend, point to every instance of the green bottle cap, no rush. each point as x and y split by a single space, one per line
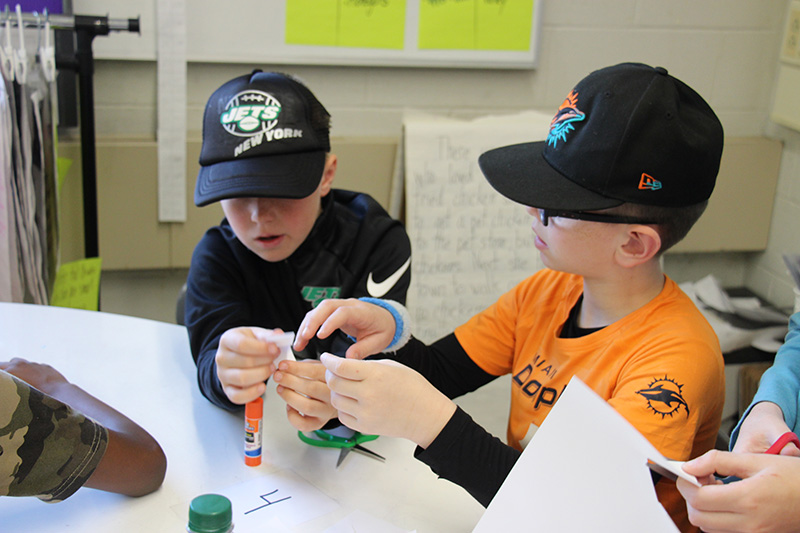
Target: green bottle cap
210 513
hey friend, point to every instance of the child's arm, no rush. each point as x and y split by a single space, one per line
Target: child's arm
134 464
387 398
762 426
773 410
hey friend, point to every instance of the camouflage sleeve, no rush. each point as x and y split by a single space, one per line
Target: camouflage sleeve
47 449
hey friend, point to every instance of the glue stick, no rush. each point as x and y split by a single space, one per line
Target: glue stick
253 414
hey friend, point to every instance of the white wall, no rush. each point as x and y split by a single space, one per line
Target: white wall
726 49
766 273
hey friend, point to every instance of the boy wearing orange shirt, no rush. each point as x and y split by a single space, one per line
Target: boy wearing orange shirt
628 166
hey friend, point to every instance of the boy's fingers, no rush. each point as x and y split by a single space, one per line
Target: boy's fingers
791 450
724 464
303 422
243 345
308 369
313 323
242 395
352 369
244 377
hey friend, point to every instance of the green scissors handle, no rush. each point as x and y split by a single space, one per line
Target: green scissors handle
326 440
345 444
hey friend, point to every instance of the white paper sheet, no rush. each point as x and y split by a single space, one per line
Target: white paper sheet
280 500
361 522
584 470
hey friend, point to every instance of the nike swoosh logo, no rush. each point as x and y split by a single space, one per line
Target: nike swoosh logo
378 290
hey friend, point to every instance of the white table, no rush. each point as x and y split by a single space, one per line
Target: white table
144 369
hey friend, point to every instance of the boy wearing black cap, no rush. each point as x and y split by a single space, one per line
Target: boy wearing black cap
627 168
288 241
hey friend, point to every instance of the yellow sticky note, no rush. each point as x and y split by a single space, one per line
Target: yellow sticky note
311 22
372 23
77 285
346 23
63 165
475 24
446 24
503 24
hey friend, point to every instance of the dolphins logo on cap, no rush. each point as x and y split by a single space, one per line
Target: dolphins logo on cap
562 123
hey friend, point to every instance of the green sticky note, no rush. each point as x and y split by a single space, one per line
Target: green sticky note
346 23
475 24
77 285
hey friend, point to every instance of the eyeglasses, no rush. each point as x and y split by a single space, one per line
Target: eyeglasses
546 214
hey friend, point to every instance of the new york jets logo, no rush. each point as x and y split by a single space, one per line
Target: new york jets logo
249 113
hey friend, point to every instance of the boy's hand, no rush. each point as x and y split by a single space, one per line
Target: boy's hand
302 386
245 361
386 398
763 426
371 325
43 377
764 500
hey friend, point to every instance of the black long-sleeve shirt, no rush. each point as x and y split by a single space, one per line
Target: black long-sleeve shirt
353 247
463 452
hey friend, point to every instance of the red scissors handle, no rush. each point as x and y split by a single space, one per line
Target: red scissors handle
782 441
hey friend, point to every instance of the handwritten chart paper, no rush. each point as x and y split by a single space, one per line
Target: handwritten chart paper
475 24
470 243
584 470
349 23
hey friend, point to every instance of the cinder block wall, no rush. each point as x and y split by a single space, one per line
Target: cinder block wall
727 50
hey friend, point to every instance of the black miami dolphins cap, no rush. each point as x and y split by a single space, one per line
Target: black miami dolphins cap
264 135
625 133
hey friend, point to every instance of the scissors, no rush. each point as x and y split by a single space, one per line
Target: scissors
782 441
346 440
775 449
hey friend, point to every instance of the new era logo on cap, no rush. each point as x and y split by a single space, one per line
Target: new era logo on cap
649 183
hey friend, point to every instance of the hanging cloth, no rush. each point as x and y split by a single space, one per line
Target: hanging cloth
43 176
24 185
10 284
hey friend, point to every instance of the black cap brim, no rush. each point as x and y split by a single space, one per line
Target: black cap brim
521 173
294 175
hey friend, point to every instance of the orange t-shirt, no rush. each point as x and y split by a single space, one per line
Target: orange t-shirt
660 366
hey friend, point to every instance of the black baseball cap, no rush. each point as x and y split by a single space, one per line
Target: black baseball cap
625 133
264 135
